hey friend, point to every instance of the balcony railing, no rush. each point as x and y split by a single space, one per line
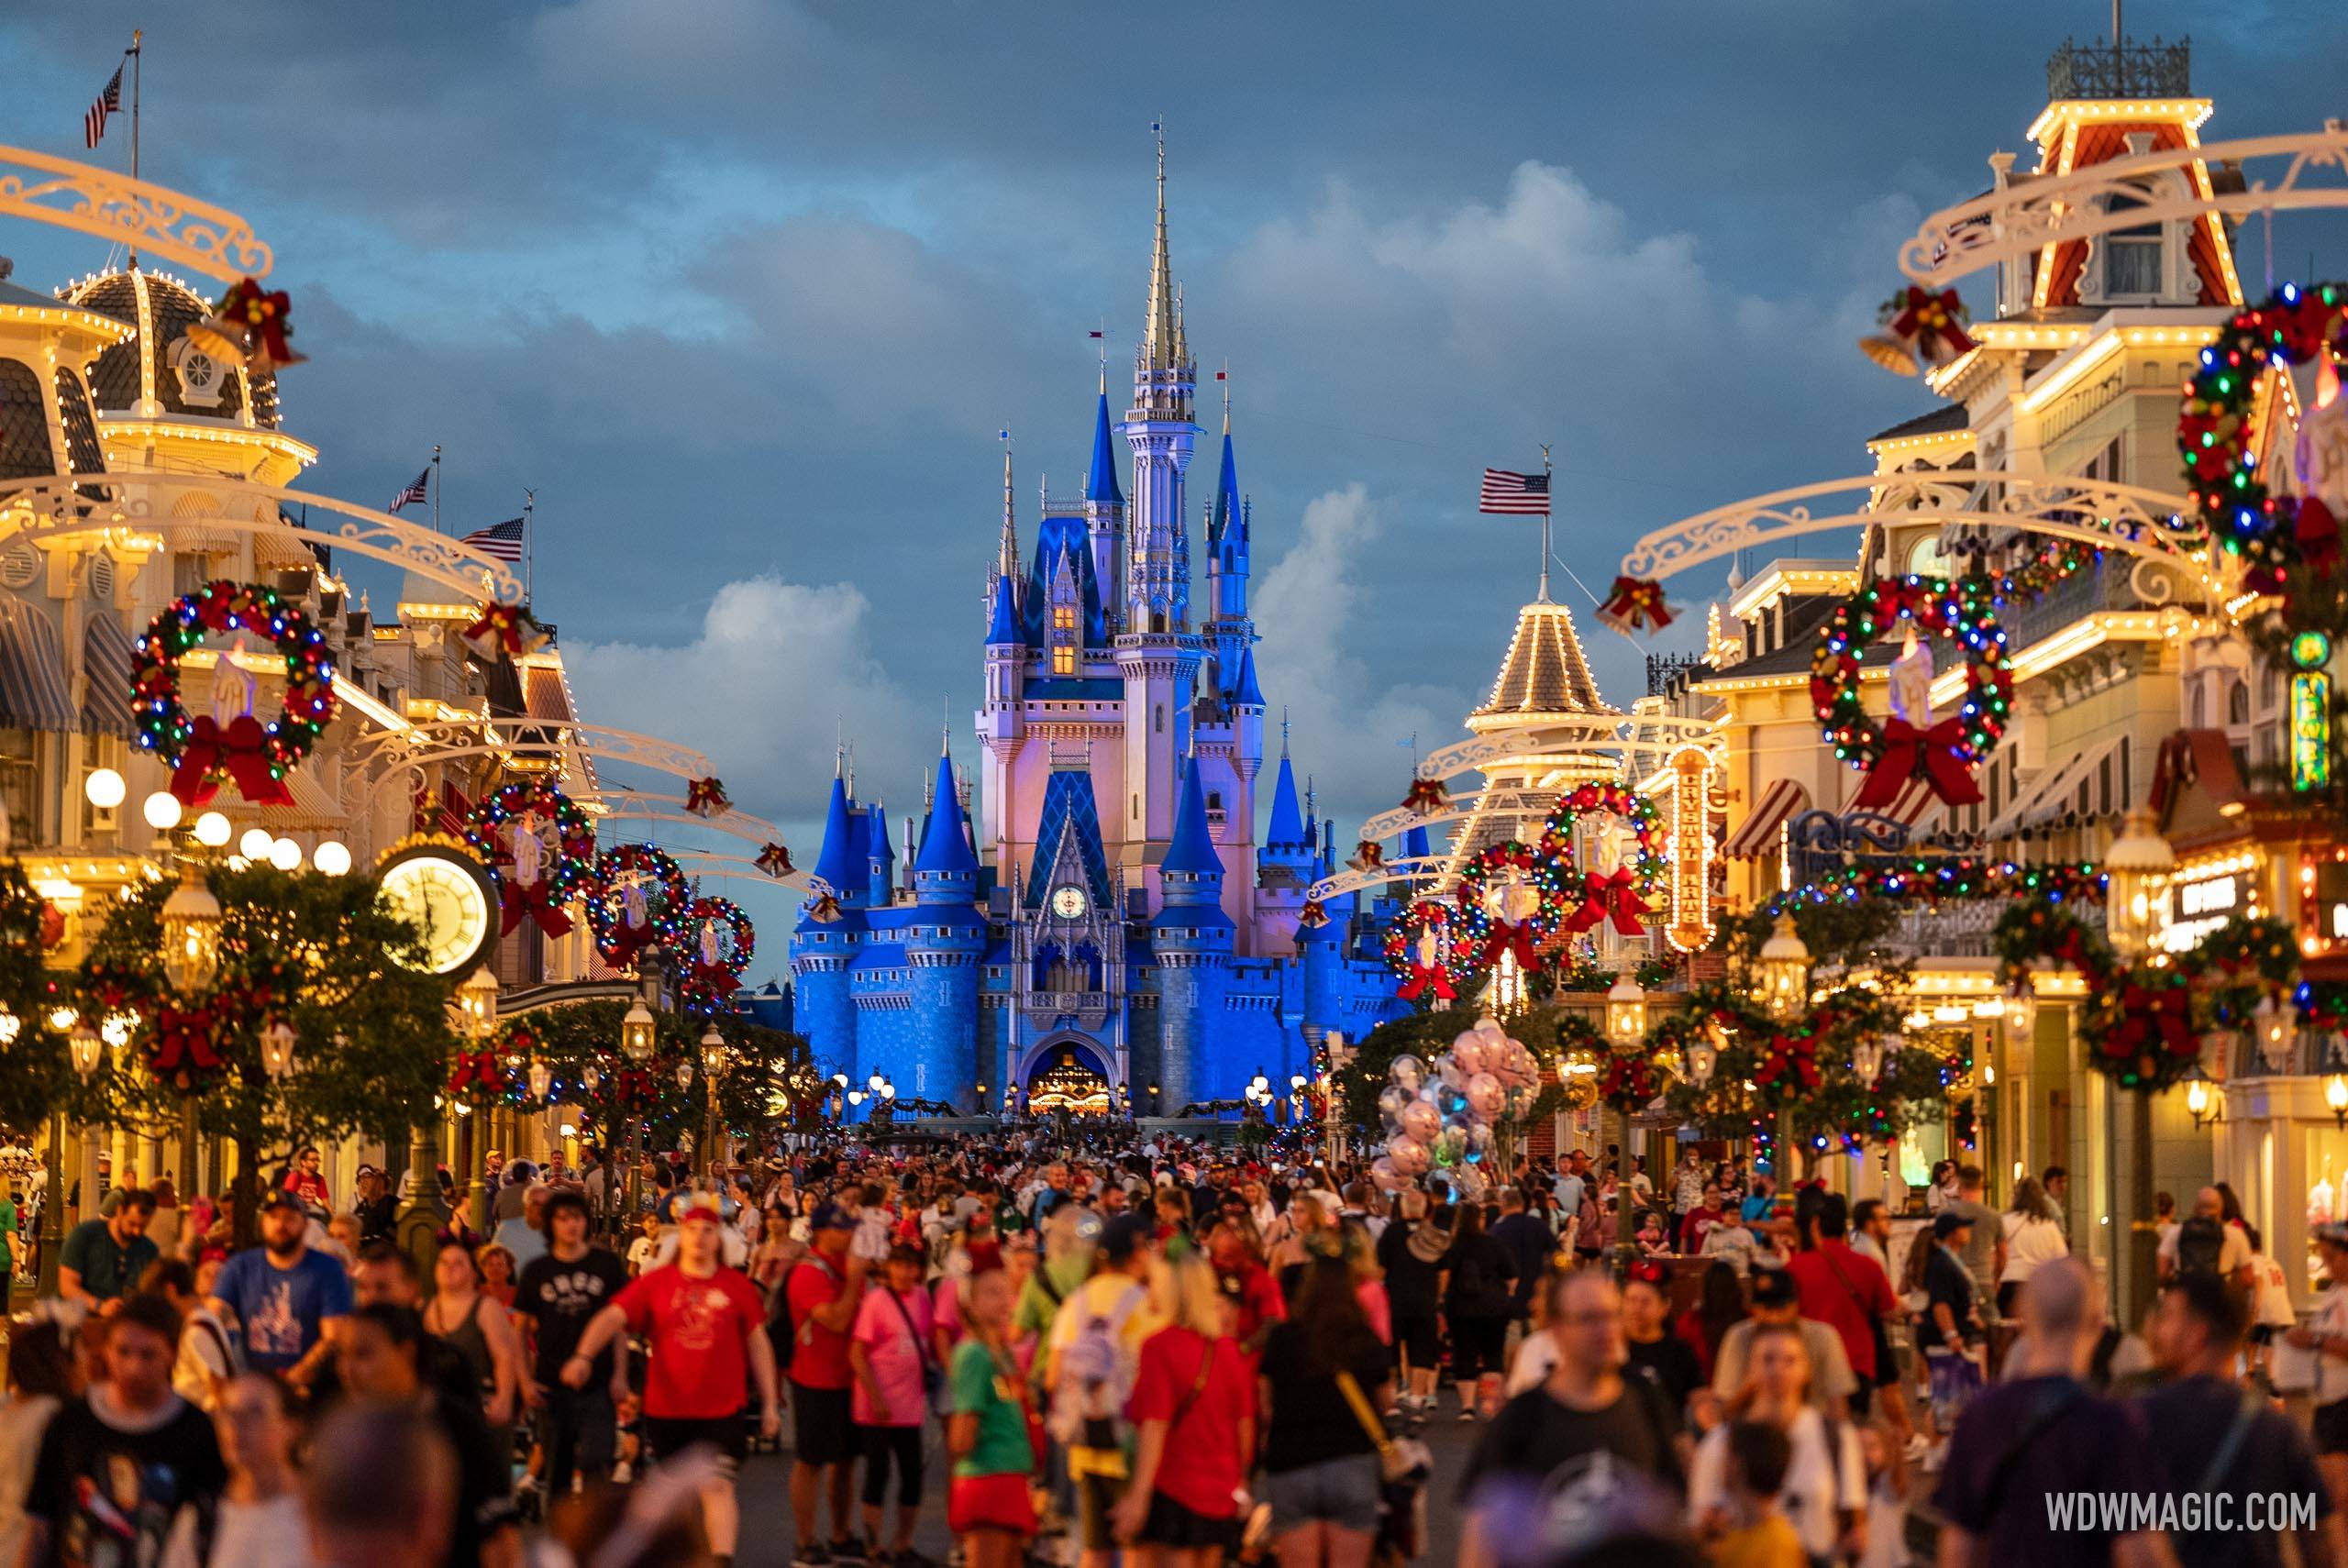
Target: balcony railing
1952 931
2156 70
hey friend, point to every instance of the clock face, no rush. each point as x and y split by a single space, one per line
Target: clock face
445 895
1067 903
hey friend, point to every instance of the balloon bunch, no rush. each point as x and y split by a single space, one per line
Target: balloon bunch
1439 1117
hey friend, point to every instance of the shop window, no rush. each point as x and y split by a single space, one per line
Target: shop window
2238 703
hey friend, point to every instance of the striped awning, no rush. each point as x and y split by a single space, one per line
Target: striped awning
32 670
1758 833
105 663
2069 788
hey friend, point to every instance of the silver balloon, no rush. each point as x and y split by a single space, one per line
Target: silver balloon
1408 1073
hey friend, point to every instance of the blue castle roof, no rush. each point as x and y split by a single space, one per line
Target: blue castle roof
1245 689
945 848
1227 496
1002 626
1192 850
1101 483
840 863
1414 840
1286 829
1067 801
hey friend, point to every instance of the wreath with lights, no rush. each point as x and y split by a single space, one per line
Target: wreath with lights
652 875
717 942
1484 936
1629 1084
2273 535
567 869
1619 895
201 752
1892 753
1406 953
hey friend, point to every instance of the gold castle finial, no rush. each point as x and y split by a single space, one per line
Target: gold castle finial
1160 343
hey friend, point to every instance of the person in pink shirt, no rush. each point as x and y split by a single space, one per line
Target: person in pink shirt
889 1352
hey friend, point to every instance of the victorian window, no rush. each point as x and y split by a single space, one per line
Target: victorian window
1063 639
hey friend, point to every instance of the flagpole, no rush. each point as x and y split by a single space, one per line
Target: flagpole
138 61
529 543
1548 486
436 487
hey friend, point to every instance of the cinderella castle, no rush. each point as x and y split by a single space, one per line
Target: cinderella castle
1116 929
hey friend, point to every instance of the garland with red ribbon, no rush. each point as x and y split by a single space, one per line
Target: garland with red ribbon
2274 535
651 872
1629 1082
507 631
1485 935
201 752
478 1076
1634 604
1945 754
1452 968
1789 1067
705 981
567 869
250 325
707 797
1619 895
1426 797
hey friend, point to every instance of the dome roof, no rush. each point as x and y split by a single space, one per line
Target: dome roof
155 372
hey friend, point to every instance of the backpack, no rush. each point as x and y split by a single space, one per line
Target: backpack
2201 1243
1096 1375
781 1333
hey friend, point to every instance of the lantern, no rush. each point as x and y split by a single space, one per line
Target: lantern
589 1078
1702 1057
191 933
635 1032
86 1049
2335 1096
2137 859
1626 1013
2022 1013
713 1049
1785 972
541 1080
477 1003
277 1050
1869 1054
684 1074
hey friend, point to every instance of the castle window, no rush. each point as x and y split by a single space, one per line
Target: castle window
1063 639
2131 257
1158 718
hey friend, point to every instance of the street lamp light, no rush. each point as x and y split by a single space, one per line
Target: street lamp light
713 1061
541 1079
86 1048
2335 1097
635 1032
477 1014
277 1050
1703 1056
1626 1013
1785 972
2204 1105
191 933
1869 1054
2136 859
2022 1013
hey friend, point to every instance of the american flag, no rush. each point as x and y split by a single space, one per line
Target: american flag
109 101
416 491
500 540
1522 494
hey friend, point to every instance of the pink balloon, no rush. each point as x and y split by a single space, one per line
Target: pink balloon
1385 1177
1469 1052
1420 1123
1484 1093
1409 1157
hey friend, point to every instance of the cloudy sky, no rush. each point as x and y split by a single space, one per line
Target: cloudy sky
745 288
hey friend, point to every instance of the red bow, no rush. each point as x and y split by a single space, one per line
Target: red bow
1426 977
1634 603
1427 797
186 1041
621 942
1629 1080
504 629
1933 320
774 860
2317 532
250 325
1611 897
477 1070
706 798
241 751
1506 938
1797 1055
533 901
1907 749
2153 1014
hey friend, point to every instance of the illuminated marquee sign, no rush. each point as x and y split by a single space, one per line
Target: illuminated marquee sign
2195 904
2309 715
1691 852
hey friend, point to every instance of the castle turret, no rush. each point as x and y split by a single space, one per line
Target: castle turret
1192 939
1104 505
944 936
828 938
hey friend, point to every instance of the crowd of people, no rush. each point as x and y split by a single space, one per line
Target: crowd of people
1175 1353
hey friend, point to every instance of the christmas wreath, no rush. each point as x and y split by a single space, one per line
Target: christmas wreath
2272 534
1527 884
203 751
1619 895
536 877
1943 754
1422 949
718 943
638 901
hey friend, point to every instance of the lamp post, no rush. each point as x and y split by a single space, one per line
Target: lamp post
1784 965
713 1063
477 1010
2137 859
635 1045
1626 1033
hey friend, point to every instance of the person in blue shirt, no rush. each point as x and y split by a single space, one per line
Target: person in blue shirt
1762 1201
289 1301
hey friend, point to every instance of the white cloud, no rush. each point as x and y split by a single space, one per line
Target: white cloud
1346 729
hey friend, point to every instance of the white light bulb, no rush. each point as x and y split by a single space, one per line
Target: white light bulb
105 788
256 842
212 830
285 855
161 811
332 858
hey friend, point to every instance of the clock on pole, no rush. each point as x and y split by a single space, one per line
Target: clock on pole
438 886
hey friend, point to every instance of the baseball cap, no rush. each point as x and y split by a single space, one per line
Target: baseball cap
1774 1288
831 1217
278 1197
1948 1222
1123 1235
702 1207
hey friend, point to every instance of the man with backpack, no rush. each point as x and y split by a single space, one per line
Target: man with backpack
822 1295
1090 1362
2205 1243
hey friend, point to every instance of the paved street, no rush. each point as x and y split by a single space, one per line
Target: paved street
765 1506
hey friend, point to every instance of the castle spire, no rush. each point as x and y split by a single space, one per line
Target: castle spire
1007 553
1159 340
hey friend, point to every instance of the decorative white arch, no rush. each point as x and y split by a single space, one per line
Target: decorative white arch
153 219
2282 173
2149 524
1402 869
635 804
432 741
738 867
122 502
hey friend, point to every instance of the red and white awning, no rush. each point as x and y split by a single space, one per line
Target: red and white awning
1758 833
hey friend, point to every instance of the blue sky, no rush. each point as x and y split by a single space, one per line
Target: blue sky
745 288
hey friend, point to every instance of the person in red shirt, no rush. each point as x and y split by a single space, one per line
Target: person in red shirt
1842 1288
823 1293
1253 1293
1193 1409
1700 1218
707 1329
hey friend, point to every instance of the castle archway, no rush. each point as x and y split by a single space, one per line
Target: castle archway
1069 1074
